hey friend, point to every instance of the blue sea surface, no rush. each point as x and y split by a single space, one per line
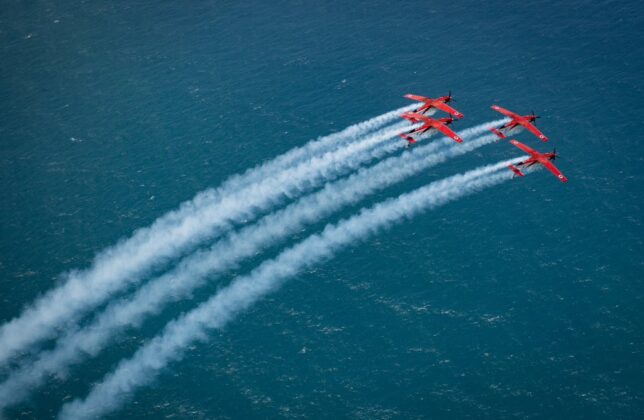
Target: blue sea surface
522 301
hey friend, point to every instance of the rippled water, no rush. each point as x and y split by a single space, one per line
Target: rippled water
522 301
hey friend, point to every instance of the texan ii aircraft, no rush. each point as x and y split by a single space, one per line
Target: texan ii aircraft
438 103
428 124
536 157
524 120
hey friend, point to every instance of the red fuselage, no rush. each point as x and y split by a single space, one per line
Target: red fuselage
539 158
428 123
510 125
432 102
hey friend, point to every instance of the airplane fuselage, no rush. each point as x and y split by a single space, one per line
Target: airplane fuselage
546 157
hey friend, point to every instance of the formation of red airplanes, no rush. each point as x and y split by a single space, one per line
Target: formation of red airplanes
516 120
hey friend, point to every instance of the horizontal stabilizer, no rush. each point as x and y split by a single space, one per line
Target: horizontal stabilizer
409 139
498 133
516 170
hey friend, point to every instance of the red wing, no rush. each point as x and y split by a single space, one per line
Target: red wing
531 128
505 112
415 117
552 168
423 108
424 128
446 108
524 148
449 133
417 98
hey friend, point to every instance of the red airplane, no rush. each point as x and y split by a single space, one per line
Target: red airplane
428 124
536 157
524 120
438 103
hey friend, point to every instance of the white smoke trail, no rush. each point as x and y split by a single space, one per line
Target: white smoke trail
143 367
312 148
387 148
192 271
238 199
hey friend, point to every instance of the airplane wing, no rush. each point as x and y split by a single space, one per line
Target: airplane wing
552 168
446 108
423 128
524 148
416 98
446 131
505 112
531 128
414 117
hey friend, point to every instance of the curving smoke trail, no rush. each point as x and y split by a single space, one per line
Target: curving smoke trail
238 199
170 345
193 271
312 148
384 149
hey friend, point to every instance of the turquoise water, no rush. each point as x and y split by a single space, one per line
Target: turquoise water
521 301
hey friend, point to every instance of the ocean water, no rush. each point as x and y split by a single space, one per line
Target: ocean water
523 301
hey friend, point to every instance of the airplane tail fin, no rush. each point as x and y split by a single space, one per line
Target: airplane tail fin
516 170
498 133
410 139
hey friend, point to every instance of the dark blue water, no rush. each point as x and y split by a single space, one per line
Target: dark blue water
522 301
